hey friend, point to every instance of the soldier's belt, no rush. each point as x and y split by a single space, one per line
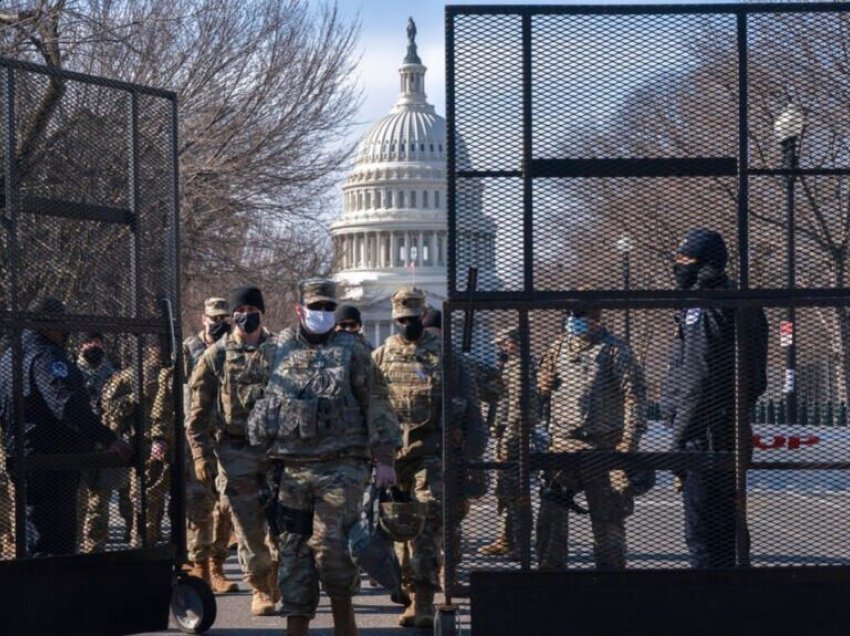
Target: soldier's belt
324 457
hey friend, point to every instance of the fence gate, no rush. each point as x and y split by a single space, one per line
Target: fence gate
89 219
585 144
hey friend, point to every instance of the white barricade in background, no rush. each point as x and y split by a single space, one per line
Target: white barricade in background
779 443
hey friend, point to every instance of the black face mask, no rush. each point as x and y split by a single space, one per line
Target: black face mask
412 330
248 323
686 275
93 356
218 329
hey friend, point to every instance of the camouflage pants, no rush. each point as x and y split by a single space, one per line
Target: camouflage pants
94 511
240 471
157 486
208 520
422 557
608 502
7 517
96 489
508 492
333 491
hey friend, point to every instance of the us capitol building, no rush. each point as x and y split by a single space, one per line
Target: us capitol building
393 228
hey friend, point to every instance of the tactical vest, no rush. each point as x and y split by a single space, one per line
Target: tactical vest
242 373
415 382
309 409
588 403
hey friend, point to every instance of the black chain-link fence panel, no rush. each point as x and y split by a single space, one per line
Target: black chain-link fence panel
88 292
586 146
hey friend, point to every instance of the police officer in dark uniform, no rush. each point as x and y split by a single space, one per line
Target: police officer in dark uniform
58 418
698 395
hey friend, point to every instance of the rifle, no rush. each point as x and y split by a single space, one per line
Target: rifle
268 496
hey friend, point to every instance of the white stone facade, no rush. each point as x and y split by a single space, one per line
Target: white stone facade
392 232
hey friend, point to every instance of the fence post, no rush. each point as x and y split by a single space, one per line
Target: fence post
771 412
804 412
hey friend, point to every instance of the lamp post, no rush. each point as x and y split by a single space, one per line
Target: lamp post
624 245
788 128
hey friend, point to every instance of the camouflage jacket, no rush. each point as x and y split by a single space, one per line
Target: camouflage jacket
509 415
324 400
228 379
193 348
119 403
414 376
488 380
597 392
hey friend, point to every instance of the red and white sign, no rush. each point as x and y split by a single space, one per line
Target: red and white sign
775 442
786 333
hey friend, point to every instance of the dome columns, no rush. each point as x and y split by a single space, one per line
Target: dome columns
385 249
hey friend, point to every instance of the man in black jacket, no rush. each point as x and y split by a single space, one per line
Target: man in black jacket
698 395
58 418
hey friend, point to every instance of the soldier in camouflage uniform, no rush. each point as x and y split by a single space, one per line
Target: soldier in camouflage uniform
208 517
228 379
598 402
96 492
119 402
324 419
411 362
507 430
348 319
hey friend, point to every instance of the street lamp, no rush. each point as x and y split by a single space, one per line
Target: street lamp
788 128
624 245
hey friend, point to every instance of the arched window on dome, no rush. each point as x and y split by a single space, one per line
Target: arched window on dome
413 198
424 198
368 200
401 198
437 199
421 147
389 198
359 200
377 199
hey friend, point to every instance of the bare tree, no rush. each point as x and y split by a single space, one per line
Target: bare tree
266 95
691 111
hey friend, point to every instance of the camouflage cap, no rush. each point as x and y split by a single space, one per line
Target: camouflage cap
315 290
408 302
511 333
216 307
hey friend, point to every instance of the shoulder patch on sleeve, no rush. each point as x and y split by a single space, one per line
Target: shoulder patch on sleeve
692 315
59 369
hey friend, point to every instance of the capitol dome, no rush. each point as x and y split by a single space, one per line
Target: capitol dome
392 232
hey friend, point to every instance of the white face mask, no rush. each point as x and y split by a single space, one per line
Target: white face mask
318 321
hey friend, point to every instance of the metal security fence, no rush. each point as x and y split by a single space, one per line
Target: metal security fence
88 302
585 143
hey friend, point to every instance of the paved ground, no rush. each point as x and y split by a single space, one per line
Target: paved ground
787 528
376 614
